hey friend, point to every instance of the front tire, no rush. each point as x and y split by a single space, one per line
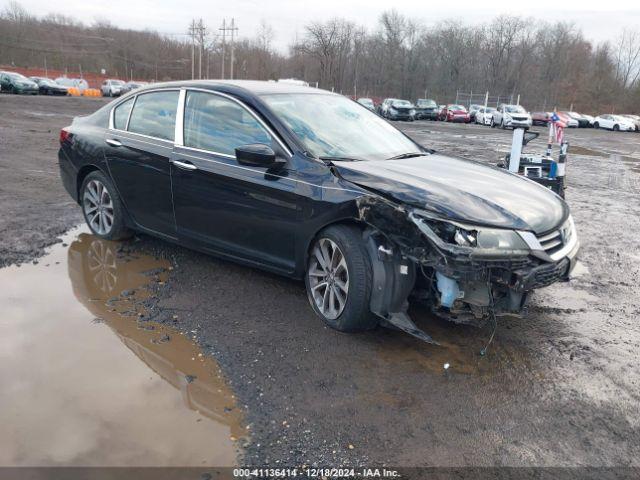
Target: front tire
596 125
102 208
338 279
616 128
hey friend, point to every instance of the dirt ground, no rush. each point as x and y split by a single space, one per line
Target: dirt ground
558 388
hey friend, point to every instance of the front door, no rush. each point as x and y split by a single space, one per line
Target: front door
240 211
138 150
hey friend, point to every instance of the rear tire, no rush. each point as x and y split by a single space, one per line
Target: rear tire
337 258
596 125
102 208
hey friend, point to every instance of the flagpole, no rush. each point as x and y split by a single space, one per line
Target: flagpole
550 140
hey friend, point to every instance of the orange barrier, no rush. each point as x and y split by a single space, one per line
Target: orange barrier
92 92
74 91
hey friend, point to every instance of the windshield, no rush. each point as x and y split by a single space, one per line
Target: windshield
365 101
514 109
117 82
334 126
489 109
459 108
426 103
401 103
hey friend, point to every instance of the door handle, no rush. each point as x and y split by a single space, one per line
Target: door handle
184 165
113 142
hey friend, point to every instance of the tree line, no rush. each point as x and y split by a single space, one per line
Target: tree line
548 64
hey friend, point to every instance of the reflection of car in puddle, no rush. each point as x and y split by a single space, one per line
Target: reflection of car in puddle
99 274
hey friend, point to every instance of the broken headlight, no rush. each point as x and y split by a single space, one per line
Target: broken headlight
479 240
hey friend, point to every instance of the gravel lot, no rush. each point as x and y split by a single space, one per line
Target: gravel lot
558 388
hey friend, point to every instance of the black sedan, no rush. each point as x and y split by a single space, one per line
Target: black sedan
46 86
312 185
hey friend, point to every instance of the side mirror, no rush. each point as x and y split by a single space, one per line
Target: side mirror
256 155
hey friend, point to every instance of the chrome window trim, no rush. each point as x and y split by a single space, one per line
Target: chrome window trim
209 152
242 105
144 136
168 147
135 100
179 133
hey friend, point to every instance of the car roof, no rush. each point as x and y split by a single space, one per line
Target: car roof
255 87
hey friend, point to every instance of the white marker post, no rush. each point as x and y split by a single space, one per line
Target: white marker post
516 149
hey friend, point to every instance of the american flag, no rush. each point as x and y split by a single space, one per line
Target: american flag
559 123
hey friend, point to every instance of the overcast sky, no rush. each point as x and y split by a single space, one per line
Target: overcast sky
599 21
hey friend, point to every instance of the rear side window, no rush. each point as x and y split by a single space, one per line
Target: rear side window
154 114
121 114
215 123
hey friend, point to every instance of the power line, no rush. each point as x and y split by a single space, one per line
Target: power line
232 29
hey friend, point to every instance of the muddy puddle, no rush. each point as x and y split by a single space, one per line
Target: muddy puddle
87 380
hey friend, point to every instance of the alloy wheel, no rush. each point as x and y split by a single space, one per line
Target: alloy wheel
328 278
98 207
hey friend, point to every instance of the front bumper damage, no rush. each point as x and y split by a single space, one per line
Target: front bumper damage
410 260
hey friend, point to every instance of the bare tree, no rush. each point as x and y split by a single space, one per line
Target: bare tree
628 58
330 43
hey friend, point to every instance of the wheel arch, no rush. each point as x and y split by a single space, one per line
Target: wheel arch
82 174
349 221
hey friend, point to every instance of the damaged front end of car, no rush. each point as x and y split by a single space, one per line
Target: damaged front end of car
464 273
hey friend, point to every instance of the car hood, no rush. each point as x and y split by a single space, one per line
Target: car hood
461 190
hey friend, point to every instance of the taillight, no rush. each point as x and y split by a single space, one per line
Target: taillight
65 136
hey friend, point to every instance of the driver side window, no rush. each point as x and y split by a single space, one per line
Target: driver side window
219 125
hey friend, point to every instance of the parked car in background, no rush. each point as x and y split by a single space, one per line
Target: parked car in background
220 165
46 86
614 122
127 87
367 102
635 119
589 118
112 87
540 118
80 83
514 116
583 122
569 120
426 109
455 113
13 82
473 108
396 109
484 115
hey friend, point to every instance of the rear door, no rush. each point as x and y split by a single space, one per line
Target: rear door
225 207
138 148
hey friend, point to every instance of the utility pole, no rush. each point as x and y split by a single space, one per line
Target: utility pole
224 36
232 29
200 37
192 34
